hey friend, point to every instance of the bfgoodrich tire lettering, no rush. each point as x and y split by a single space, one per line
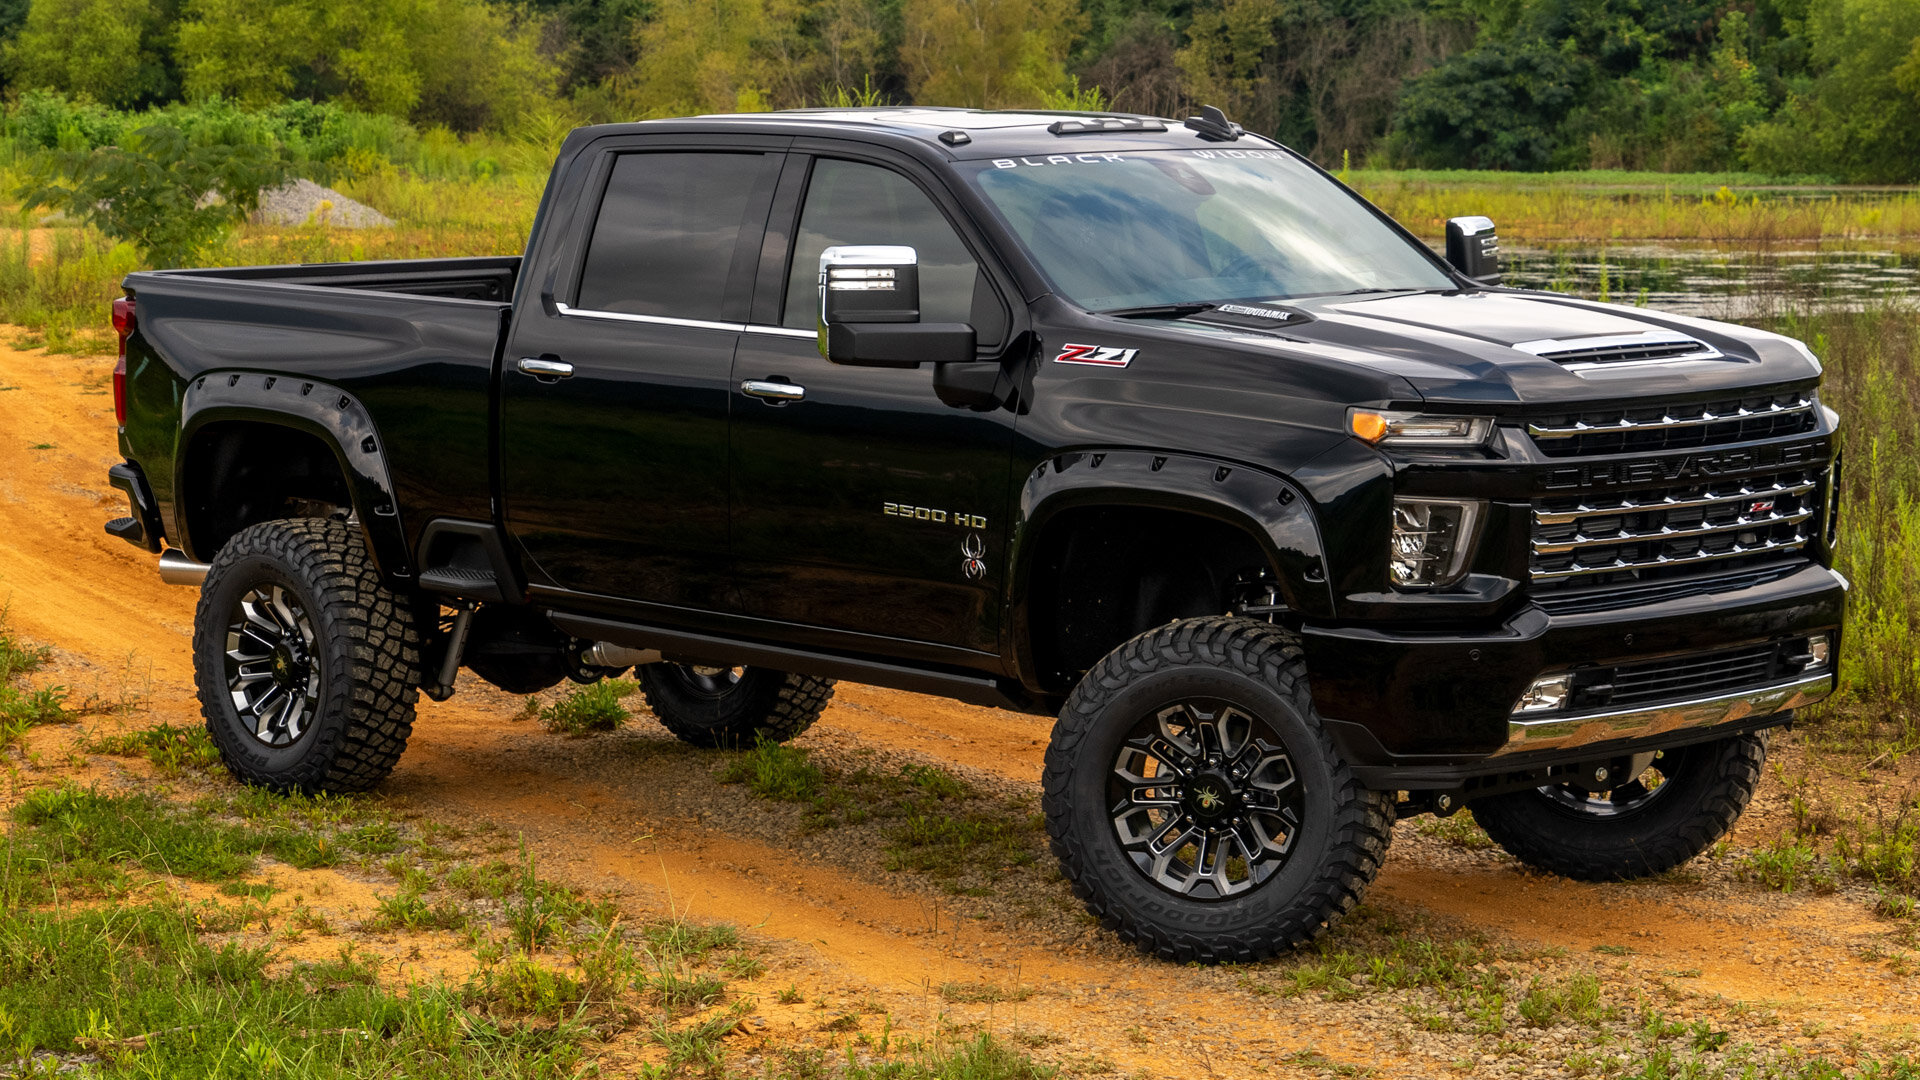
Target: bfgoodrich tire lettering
1632 831
361 653
728 707
1332 853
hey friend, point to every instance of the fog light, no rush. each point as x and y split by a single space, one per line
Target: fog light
1820 647
1432 541
1549 692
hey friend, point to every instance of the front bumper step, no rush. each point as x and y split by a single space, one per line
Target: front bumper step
1572 732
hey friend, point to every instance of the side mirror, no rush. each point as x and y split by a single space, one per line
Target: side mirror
1474 249
870 311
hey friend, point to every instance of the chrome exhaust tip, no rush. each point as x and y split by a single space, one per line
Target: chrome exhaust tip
177 569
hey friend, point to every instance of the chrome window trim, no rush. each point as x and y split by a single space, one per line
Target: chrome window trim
656 320
782 331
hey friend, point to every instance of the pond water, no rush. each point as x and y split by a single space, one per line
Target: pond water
1717 282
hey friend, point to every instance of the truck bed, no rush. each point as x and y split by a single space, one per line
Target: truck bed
489 277
414 342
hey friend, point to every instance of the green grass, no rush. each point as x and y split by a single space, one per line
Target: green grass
590 709
23 706
932 821
169 749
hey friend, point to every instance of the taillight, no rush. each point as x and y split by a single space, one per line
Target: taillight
123 322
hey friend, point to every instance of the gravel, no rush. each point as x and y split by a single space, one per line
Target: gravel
299 202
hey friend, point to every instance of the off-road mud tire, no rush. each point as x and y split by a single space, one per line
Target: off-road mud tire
763 704
366 652
1698 803
1341 843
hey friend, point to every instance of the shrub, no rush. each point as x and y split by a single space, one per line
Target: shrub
171 195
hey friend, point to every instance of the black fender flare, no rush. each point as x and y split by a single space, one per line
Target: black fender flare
323 410
1266 505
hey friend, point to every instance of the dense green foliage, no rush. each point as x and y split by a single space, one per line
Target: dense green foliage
1820 87
170 193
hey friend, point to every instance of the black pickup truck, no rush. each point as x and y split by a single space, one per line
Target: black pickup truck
1151 425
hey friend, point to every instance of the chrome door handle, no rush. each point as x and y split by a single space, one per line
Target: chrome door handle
545 370
777 393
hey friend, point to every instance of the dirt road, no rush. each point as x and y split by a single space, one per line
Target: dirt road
637 816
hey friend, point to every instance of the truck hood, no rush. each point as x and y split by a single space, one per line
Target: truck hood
1519 348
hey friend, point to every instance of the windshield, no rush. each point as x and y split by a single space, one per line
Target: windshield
1172 226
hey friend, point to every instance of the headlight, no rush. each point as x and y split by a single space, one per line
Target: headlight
1417 429
1432 541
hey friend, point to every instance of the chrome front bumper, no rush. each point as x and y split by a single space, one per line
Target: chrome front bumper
1570 732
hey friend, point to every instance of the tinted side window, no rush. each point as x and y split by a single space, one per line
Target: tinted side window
853 203
664 241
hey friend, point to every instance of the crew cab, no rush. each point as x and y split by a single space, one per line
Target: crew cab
1296 525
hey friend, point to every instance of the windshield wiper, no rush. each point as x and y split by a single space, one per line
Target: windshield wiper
1159 311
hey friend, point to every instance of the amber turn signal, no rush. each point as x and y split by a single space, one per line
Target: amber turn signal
1369 426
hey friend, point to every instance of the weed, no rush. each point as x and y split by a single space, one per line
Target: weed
590 709
775 771
168 748
977 993
1577 1000
743 965
677 991
1459 830
790 995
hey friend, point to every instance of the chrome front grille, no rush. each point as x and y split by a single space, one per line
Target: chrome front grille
1674 531
1640 429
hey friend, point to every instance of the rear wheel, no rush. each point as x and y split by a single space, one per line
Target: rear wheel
1196 802
308 667
716 706
1646 815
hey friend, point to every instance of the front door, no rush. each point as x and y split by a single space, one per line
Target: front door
615 393
867 505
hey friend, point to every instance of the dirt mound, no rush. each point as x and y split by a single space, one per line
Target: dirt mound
301 201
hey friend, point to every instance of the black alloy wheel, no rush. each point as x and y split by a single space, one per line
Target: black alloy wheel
1205 799
271 676
722 706
1196 802
308 664
1645 815
708 681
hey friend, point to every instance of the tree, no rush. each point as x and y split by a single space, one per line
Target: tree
699 56
466 63
105 50
1859 117
170 195
987 53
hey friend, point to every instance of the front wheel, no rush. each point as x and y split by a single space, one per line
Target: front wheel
1647 814
1196 803
726 707
308 667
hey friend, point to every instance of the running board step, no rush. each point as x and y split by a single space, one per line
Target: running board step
681 645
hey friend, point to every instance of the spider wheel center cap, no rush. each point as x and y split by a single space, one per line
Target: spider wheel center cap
288 669
1212 798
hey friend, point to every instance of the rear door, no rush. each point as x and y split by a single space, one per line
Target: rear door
866 504
614 398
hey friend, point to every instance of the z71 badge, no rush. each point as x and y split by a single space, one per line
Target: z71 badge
1096 355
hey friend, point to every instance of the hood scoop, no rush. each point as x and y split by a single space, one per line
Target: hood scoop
1586 353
